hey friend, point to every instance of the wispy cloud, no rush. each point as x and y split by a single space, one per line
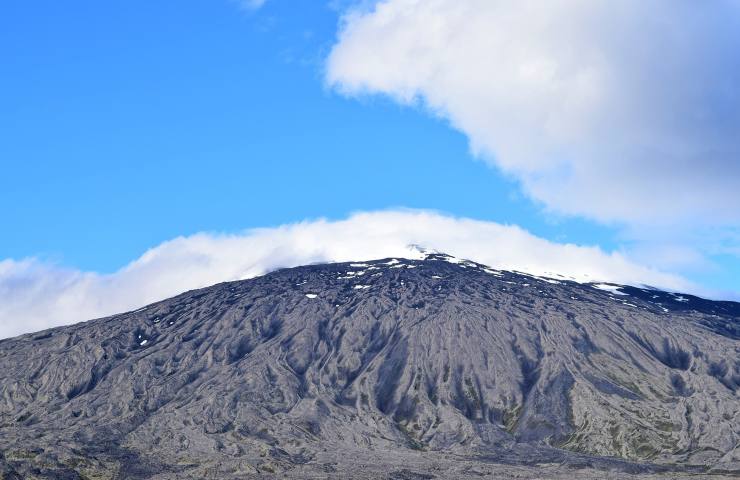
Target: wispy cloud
36 295
251 4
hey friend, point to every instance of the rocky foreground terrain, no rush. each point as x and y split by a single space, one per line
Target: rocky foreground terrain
399 369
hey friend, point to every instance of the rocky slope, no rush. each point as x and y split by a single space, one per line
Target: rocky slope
396 368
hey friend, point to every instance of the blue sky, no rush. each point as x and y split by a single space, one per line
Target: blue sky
128 124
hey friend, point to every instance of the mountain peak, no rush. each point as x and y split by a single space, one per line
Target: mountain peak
392 362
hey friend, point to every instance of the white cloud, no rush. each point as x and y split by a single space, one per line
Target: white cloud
36 295
625 111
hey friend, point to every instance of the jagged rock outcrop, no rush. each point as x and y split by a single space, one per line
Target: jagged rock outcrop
325 368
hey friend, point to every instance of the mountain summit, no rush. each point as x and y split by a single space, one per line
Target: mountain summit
396 368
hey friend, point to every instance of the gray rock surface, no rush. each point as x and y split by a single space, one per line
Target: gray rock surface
405 369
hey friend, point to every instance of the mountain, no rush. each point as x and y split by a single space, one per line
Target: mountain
406 369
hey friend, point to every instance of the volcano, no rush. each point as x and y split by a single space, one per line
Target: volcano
394 368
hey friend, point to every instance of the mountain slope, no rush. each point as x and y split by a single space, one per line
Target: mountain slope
328 366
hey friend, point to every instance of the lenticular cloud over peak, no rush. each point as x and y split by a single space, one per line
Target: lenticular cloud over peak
619 111
35 295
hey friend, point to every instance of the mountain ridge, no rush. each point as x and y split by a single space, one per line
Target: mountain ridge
389 358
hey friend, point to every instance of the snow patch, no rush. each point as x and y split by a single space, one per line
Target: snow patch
353 274
548 280
609 288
